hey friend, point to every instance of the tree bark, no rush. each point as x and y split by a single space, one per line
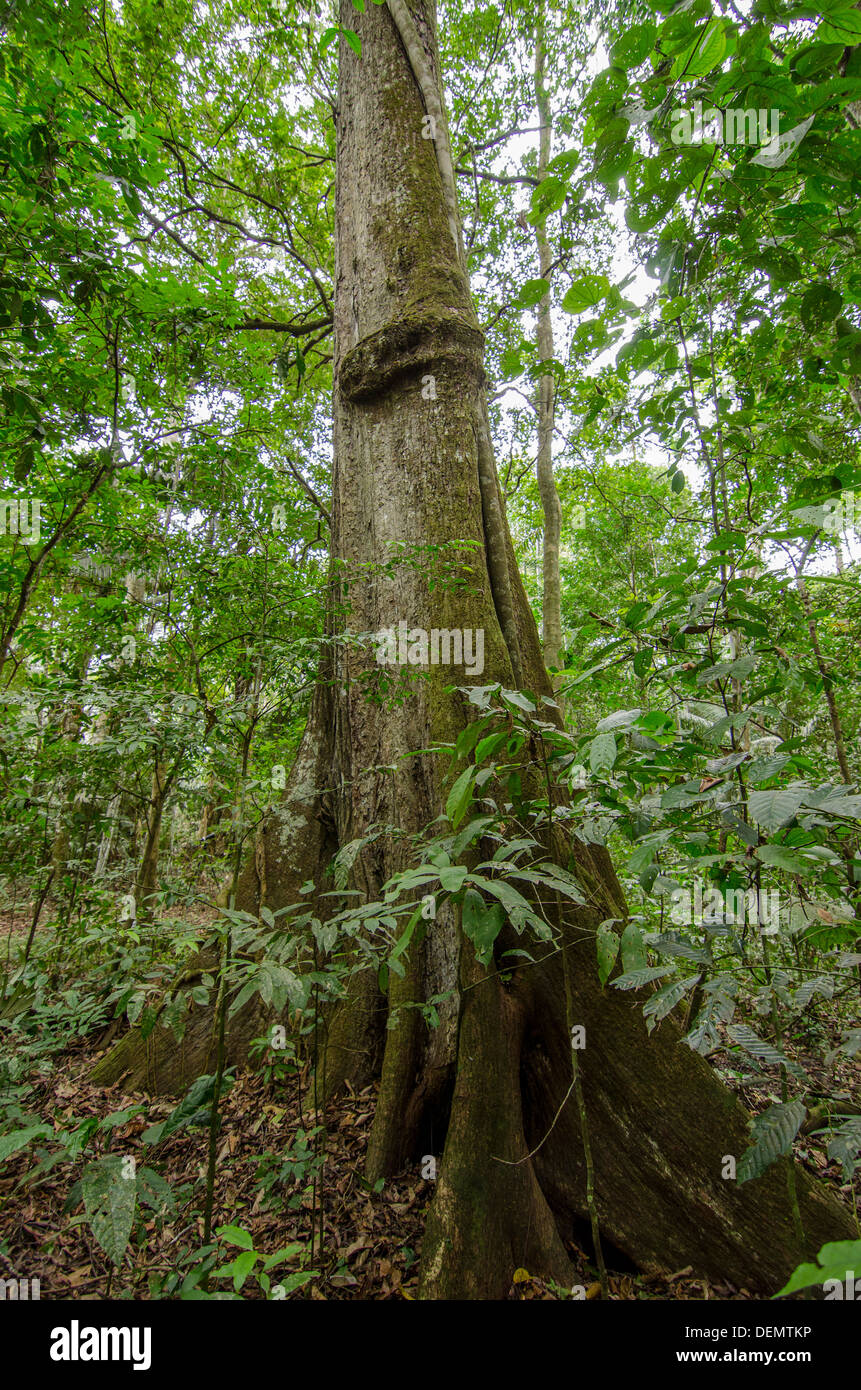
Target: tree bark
413 467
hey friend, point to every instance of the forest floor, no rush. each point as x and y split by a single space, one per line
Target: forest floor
371 1239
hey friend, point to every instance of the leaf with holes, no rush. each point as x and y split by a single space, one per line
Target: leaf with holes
587 290
634 955
109 1200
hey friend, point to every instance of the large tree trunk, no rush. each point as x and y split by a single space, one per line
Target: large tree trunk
413 467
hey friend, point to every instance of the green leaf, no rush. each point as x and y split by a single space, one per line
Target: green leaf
779 151
154 1192
704 54
515 905
642 857
745 1037
634 45
488 746
728 540
842 26
738 669
779 857
189 1108
842 806
845 1147
602 752
772 1133
668 996
109 1200
587 290
634 955
607 944
531 293
635 979
452 876
460 796
482 922
547 198
516 697
620 719
820 306
242 1267
836 1259
235 1235
772 809
11 1143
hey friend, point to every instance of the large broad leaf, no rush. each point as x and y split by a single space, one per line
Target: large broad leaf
154 1192
842 806
634 45
607 945
11 1143
763 1051
515 905
189 1109
779 150
531 293
635 979
620 719
460 796
845 1147
602 752
843 26
820 306
587 290
109 1200
772 1134
739 668
451 877
772 809
642 857
634 955
719 1007
667 997
704 54
836 1260
482 922
779 857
